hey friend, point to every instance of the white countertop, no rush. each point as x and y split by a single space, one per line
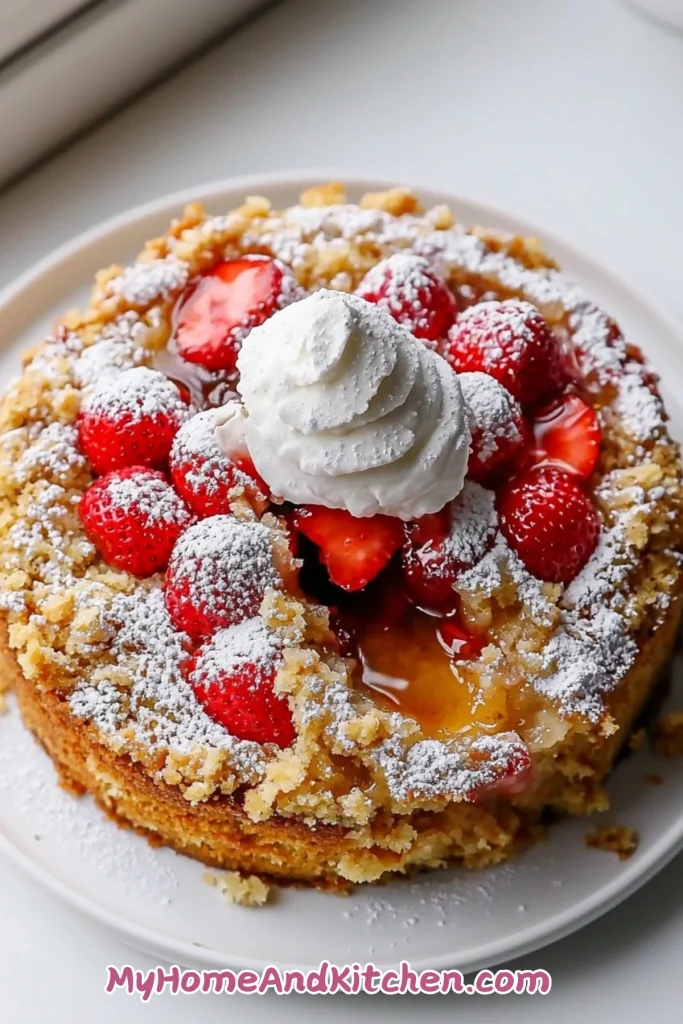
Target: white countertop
568 113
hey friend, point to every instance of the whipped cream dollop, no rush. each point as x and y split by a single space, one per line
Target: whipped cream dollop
345 408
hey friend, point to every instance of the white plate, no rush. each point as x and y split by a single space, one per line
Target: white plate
157 901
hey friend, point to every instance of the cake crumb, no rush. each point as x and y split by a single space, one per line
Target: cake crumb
614 839
636 739
654 779
667 737
245 890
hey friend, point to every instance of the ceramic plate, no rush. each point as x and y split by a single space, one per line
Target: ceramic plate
158 901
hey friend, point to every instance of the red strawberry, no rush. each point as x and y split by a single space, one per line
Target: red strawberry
568 434
232 676
499 430
410 290
226 303
429 571
439 547
512 775
511 341
458 642
354 550
131 420
204 476
134 517
218 574
549 522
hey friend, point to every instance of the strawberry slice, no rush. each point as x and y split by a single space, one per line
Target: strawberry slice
429 572
460 644
567 434
354 550
226 303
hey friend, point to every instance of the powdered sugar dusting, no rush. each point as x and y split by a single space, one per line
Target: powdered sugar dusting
147 495
440 771
474 523
143 283
136 394
221 560
77 826
119 346
501 565
161 705
196 453
399 284
506 322
248 643
639 409
495 413
53 453
584 660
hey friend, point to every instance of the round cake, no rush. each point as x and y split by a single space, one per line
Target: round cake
337 541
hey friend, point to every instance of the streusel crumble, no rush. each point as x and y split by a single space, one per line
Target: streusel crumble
337 541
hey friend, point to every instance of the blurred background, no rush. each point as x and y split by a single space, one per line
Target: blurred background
566 112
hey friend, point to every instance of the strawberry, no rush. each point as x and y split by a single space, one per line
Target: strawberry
511 341
499 431
204 476
218 574
512 774
232 675
131 420
134 517
225 303
439 547
460 644
550 522
409 289
354 550
429 571
568 434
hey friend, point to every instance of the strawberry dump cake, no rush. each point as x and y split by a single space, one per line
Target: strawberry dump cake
337 541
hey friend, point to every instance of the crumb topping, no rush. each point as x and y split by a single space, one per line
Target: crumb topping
119 346
147 282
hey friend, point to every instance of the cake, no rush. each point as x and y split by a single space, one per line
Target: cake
337 541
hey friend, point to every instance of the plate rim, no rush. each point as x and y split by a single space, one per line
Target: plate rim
553 927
